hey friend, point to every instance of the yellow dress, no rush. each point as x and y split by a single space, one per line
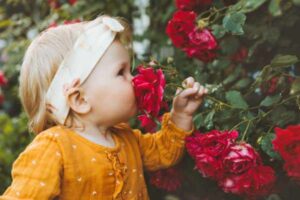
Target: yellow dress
60 164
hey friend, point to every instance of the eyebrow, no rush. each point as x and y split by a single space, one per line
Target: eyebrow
122 64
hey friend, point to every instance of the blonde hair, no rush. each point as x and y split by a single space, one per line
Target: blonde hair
40 63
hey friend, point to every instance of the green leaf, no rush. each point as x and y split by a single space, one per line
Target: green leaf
274 197
295 86
233 76
208 121
267 146
5 23
274 8
218 31
271 100
243 83
220 63
249 5
236 100
281 116
229 45
296 2
198 120
234 22
284 61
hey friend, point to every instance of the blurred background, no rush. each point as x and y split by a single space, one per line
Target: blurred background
271 28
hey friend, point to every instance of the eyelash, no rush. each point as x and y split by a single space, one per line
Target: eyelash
120 73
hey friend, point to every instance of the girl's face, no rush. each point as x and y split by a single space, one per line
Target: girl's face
109 89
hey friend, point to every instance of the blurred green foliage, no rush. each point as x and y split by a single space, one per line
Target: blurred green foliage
268 29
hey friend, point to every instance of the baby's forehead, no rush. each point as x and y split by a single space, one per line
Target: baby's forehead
115 55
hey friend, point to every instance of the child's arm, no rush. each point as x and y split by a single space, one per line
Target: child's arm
166 147
36 172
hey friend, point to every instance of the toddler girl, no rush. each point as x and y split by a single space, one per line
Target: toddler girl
76 88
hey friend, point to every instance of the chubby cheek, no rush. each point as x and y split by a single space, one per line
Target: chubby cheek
120 100
125 96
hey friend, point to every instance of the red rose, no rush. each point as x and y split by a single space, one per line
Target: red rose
240 55
168 179
214 143
255 182
203 45
56 4
178 28
209 166
292 167
147 123
287 142
53 3
208 149
277 84
192 4
72 2
3 80
203 39
66 22
201 54
240 158
73 21
149 89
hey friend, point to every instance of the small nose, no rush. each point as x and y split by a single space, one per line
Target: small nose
130 77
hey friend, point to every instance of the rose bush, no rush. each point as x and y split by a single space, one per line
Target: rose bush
245 51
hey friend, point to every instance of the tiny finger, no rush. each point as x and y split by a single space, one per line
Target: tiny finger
197 86
188 92
200 92
178 90
189 82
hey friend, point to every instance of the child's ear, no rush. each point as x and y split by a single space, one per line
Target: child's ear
77 101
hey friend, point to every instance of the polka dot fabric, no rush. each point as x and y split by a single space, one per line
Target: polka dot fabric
61 164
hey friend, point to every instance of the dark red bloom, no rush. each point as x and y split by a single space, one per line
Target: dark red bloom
240 158
178 28
73 21
214 143
255 182
292 167
240 55
208 150
149 85
287 142
168 179
56 3
148 124
203 45
72 2
277 84
209 166
53 3
66 22
192 4
3 80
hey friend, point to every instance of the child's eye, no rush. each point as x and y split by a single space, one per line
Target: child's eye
120 73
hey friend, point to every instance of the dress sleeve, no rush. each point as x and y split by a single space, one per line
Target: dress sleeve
37 171
164 148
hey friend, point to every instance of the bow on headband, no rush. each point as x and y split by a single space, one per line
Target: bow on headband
80 62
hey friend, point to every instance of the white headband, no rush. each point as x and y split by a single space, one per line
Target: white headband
79 63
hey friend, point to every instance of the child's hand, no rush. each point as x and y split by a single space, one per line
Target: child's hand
186 102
